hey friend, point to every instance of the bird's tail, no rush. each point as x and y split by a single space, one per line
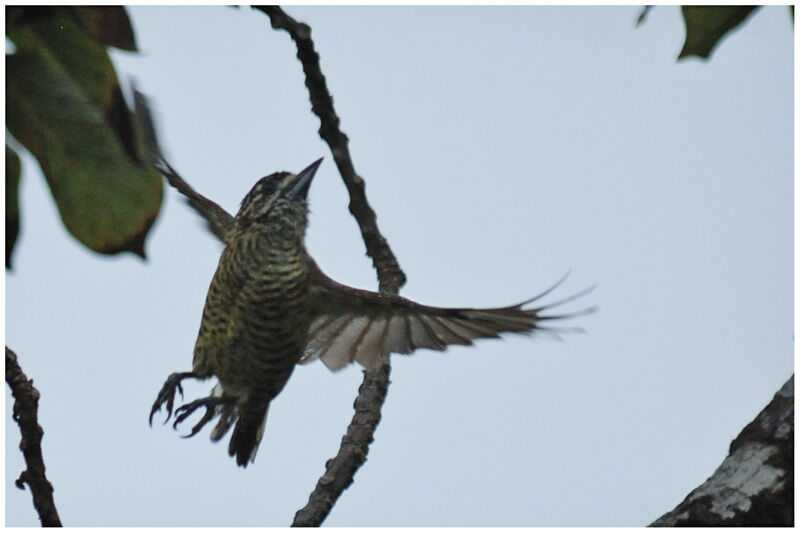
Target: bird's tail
247 433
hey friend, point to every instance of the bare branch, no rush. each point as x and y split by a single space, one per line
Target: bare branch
390 276
339 471
26 406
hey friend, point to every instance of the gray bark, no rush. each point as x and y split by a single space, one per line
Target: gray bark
754 485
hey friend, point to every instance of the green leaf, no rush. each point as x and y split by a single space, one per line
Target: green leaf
64 104
707 25
108 25
12 202
56 31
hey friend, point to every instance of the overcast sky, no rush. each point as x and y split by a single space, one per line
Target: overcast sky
501 147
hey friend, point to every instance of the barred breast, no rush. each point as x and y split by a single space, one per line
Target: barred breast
255 323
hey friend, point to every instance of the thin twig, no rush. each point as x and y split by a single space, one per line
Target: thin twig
26 406
339 471
390 276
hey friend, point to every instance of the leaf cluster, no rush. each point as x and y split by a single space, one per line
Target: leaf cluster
64 105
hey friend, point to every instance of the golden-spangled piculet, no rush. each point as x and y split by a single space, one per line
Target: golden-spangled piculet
269 308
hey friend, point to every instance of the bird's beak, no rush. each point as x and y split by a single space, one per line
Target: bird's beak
304 178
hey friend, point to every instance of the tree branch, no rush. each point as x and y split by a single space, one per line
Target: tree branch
339 471
390 276
754 485
26 406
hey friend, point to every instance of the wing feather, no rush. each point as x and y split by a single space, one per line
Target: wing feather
319 343
397 338
449 332
339 352
372 345
422 336
219 221
356 325
478 327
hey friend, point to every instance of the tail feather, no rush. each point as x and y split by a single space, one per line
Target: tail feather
247 434
228 415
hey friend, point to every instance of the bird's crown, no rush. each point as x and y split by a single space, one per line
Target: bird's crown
277 194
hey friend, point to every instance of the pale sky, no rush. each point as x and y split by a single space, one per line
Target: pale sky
501 147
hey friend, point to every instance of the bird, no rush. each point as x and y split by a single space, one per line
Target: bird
271 308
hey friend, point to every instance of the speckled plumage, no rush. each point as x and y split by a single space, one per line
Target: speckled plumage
270 307
255 322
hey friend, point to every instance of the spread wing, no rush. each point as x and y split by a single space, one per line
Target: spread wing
219 221
357 325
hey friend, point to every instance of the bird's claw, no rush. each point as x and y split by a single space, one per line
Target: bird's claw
167 394
184 411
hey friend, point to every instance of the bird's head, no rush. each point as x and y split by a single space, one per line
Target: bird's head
278 201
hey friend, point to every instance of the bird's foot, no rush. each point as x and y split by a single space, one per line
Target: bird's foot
209 402
167 393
